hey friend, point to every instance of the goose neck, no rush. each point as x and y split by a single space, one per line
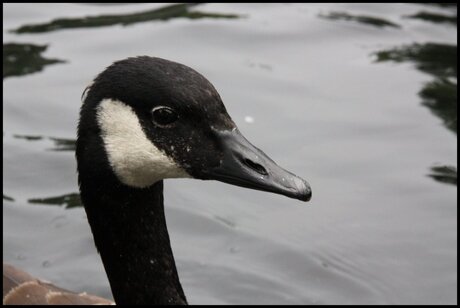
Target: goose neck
130 233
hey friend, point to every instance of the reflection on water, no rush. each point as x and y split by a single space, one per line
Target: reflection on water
23 59
60 144
444 174
439 60
5 197
367 20
439 95
68 200
444 5
165 13
28 137
435 17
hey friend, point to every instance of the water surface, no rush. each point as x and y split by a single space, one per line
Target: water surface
359 99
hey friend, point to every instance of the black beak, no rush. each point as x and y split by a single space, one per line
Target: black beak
245 165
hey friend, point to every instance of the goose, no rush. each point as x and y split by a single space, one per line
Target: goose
142 120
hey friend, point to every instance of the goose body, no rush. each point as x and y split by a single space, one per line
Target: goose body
144 120
20 288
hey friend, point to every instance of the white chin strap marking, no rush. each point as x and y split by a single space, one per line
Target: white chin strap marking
134 158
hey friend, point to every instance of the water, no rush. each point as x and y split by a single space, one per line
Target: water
337 93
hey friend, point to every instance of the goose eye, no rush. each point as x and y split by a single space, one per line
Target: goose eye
164 116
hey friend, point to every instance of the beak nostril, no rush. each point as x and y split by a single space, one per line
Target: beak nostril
255 166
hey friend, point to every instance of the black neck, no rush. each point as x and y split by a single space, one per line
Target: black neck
130 232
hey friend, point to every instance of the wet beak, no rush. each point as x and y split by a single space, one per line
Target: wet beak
245 165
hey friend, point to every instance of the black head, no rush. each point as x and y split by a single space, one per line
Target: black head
152 119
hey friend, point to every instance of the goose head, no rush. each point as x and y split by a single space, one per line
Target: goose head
158 119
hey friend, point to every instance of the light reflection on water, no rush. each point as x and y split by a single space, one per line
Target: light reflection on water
340 95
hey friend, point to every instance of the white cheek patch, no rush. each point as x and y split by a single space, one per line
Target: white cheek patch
134 158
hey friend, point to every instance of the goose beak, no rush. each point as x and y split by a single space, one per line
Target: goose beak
245 165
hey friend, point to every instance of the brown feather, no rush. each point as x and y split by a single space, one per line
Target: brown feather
20 288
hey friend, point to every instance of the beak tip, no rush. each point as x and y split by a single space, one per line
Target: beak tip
306 197
304 190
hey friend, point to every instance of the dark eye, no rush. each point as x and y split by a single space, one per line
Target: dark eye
164 116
